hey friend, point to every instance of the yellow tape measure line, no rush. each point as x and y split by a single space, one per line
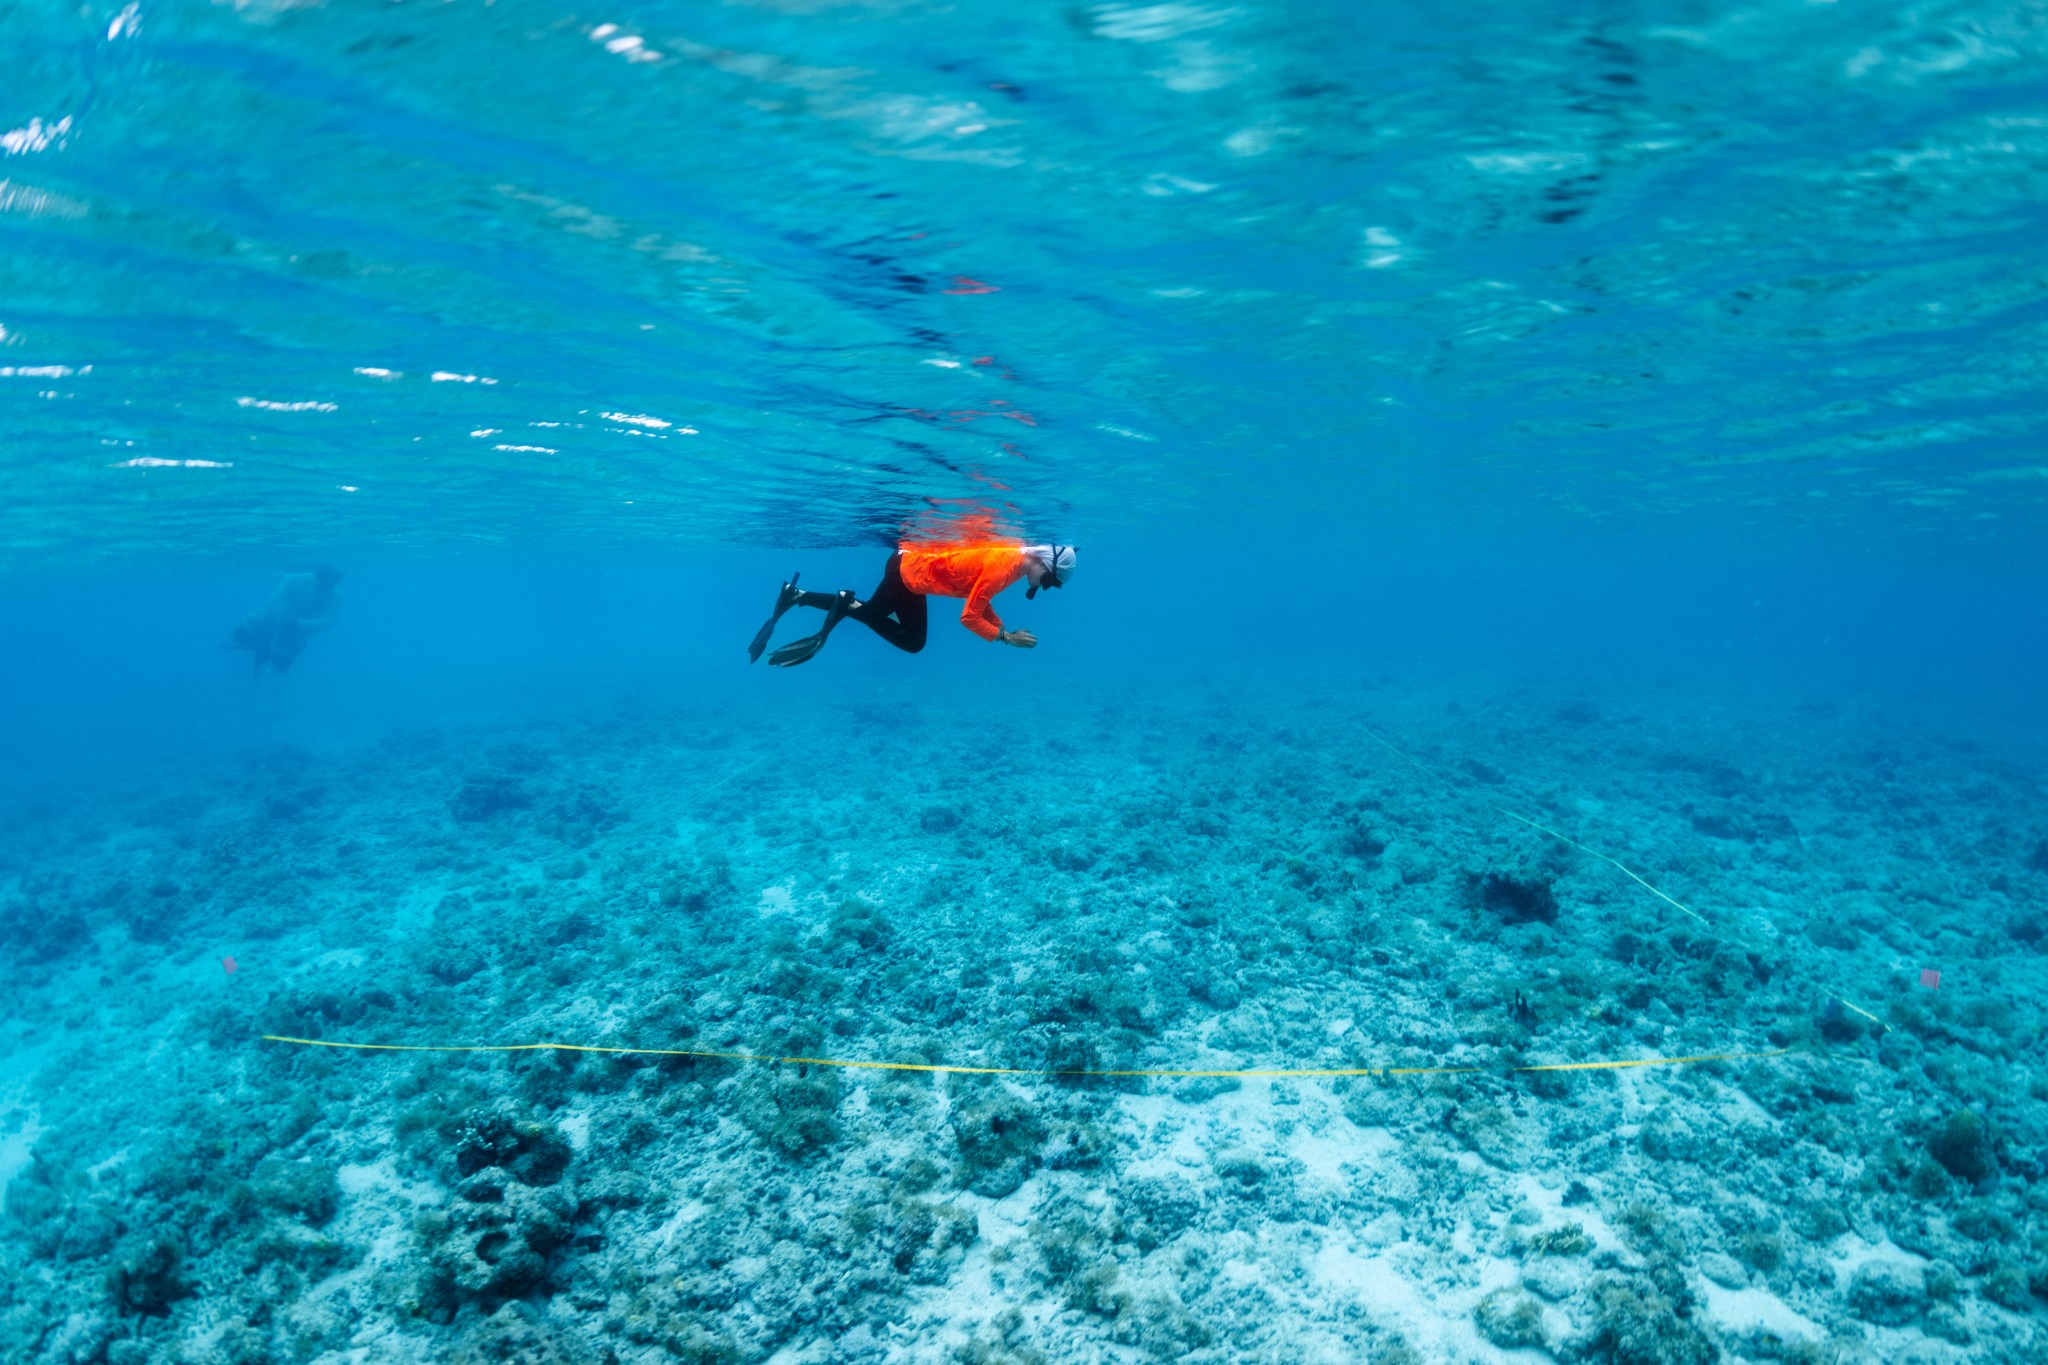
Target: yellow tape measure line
1161 1072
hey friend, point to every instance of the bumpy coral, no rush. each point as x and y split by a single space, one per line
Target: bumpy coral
998 1139
1509 1319
492 1242
1635 1323
149 1278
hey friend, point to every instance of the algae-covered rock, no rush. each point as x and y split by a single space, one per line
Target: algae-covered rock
528 1150
1099 1289
1553 1280
692 1343
305 1251
1888 1293
1761 1249
485 794
86 1230
1724 1270
1201 1089
299 1189
791 1109
1073 1238
149 1277
1515 899
1947 1324
998 1139
1964 1146
454 956
1160 1325
1648 1229
979 1351
493 1242
1819 1220
1510 1319
42 934
1243 1173
1568 1239
920 1239
2006 1286
1635 1323
516 1335
1072 1147
1156 1209
1489 1131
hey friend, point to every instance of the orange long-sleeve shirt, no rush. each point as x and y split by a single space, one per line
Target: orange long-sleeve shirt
975 572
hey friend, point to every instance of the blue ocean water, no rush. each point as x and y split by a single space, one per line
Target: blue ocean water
1563 531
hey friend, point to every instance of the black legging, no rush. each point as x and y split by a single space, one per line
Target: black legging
892 599
891 611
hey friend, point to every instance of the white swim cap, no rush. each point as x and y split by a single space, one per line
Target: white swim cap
1058 563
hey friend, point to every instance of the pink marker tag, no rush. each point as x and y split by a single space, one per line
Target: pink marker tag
228 963
1930 978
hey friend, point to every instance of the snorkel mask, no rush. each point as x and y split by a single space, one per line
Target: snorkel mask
1056 563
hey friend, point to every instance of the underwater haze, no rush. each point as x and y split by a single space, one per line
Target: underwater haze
1525 837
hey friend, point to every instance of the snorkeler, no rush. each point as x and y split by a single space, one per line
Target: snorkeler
302 605
895 610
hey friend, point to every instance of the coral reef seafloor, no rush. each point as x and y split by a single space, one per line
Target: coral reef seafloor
1191 882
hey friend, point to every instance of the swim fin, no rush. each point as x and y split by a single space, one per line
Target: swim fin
797 651
784 600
